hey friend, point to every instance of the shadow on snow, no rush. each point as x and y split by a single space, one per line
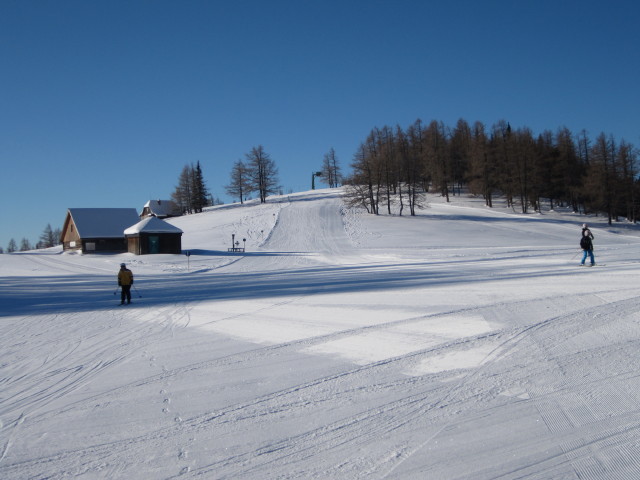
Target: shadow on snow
61 294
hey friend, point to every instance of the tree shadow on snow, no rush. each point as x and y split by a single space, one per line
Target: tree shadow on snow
53 295
220 253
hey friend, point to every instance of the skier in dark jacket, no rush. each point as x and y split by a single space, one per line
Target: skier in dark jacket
125 280
587 245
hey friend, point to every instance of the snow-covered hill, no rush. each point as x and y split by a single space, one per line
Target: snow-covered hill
465 343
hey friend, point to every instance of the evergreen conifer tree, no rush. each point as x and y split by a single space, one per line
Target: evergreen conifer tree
48 238
25 245
200 194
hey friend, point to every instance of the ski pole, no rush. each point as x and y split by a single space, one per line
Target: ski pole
116 292
134 287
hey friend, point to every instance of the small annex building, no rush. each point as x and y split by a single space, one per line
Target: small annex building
152 235
93 230
161 209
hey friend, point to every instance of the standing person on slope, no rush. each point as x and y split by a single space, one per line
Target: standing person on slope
587 245
125 280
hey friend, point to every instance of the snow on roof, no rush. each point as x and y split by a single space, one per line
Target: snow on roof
103 222
162 208
151 225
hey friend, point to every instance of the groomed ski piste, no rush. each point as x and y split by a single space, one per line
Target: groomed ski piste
463 343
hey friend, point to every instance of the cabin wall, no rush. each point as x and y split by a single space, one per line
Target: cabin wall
134 245
70 238
97 245
149 243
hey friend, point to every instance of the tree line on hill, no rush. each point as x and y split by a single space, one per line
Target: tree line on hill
397 167
191 193
48 238
258 174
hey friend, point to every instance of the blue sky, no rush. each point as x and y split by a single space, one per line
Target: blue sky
102 103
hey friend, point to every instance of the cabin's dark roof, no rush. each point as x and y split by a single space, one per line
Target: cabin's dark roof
103 222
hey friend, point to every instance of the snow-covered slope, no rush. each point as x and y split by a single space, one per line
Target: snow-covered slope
462 343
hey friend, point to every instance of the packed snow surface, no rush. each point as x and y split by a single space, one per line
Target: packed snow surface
463 343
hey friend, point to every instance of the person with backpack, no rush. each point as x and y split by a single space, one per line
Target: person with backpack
125 281
586 244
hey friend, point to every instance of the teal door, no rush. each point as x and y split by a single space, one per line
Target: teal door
154 244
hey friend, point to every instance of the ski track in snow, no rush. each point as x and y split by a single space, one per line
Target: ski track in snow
433 360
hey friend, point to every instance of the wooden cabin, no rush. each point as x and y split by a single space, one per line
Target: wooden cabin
93 230
161 209
152 235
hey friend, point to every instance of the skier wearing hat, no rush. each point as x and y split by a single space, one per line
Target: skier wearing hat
587 245
125 280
